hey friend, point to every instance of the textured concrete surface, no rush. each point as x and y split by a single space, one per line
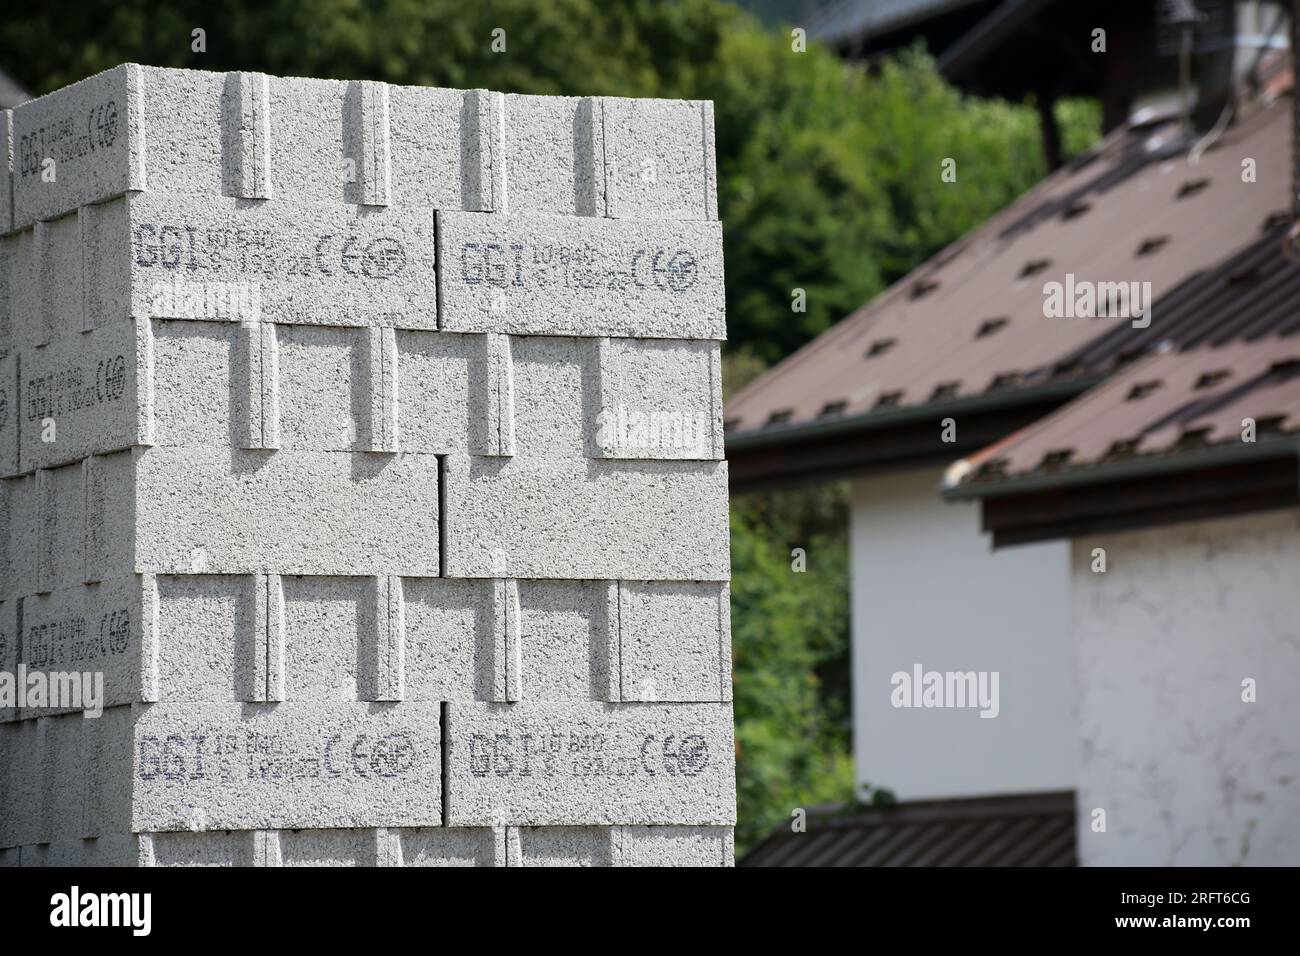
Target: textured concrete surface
328 408
575 763
560 275
297 765
548 518
253 136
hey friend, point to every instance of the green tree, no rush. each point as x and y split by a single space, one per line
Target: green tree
790 634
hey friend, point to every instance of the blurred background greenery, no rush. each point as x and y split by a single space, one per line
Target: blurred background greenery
828 181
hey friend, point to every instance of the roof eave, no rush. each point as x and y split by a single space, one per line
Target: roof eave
765 437
1144 466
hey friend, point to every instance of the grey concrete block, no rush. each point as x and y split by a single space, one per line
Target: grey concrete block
555 155
674 641
83 395
673 846
9 412
284 260
253 136
555 392
198 638
564 846
659 159
447 398
533 764
22 780
452 646
331 638
218 511
9 654
328 848
219 848
226 512
659 399
9 248
48 269
9 856
553 518
289 765
447 846
87 629
203 391
6 171
566 275
567 651
63 791
80 144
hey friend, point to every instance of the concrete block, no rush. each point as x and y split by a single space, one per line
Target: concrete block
564 846
9 412
448 393
286 260
9 645
553 518
218 511
223 512
214 134
448 846
204 393
566 275
334 634
451 640
9 856
328 848
555 155
555 388
574 764
6 171
289 765
674 641
198 638
83 396
48 270
22 779
9 249
81 144
220 848
659 399
83 630
63 791
659 157
673 846
567 651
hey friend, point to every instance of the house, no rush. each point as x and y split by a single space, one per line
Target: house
995 443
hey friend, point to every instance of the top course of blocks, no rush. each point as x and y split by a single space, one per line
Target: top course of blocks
252 136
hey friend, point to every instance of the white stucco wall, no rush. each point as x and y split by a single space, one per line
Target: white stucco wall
928 589
1188 773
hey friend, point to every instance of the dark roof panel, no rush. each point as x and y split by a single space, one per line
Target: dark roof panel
1021 830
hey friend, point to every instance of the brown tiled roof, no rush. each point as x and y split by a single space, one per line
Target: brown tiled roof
1021 830
970 323
1171 404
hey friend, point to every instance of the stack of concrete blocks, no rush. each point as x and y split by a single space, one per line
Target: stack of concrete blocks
368 440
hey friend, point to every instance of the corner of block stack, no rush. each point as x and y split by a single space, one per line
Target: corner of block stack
361 466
